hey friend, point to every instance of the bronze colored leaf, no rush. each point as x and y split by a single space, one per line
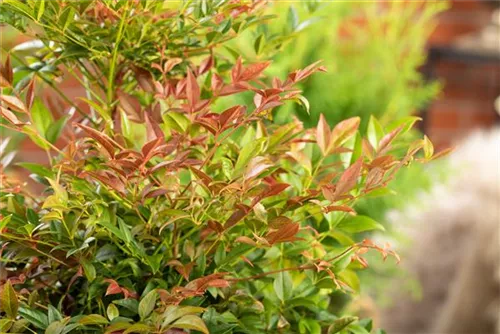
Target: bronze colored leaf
192 90
206 64
9 116
349 178
13 103
285 233
131 106
343 131
323 135
101 138
238 215
253 71
30 94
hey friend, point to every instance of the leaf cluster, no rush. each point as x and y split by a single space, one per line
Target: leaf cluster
163 213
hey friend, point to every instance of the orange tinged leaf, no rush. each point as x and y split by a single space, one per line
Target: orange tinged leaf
323 135
9 116
192 90
30 94
245 240
343 131
349 178
253 71
101 138
130 106
286 232
388 138
13 103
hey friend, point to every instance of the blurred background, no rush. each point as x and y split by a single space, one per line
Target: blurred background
438 60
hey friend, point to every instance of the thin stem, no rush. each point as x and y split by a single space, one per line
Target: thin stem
114 58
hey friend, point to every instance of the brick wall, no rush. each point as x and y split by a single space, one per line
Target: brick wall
470 87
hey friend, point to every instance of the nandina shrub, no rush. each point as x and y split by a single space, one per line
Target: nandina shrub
163 213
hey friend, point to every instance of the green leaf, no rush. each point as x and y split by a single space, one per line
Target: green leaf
54 314
66 17
5 325
428 148
4 221
191 322
259 43
41 117
309 326
93 319
340 324
130 304
405 122
20 7
356 224
34 317
56 327
54 130
292 18
283 285
248 152
112 311
10 303
139 328
88 269
35 136
113 229
39 9
176 121
99 109
147 304
37 169
375 132
305 103
356 329
173 313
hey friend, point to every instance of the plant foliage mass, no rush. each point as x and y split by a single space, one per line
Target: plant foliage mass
162 212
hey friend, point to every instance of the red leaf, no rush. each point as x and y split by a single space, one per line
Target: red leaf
149 147
329 192
343 131
218 283
238 215
349 178
216 83
101 138
206 65
192 90
284 233
170 64
229 115
342 208
30 94
245 240
388 138
253 71
7 71
202 176
113 287
374 177
130 106
236 71
279 222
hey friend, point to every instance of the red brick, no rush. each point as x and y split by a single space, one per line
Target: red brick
442 116
468 5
